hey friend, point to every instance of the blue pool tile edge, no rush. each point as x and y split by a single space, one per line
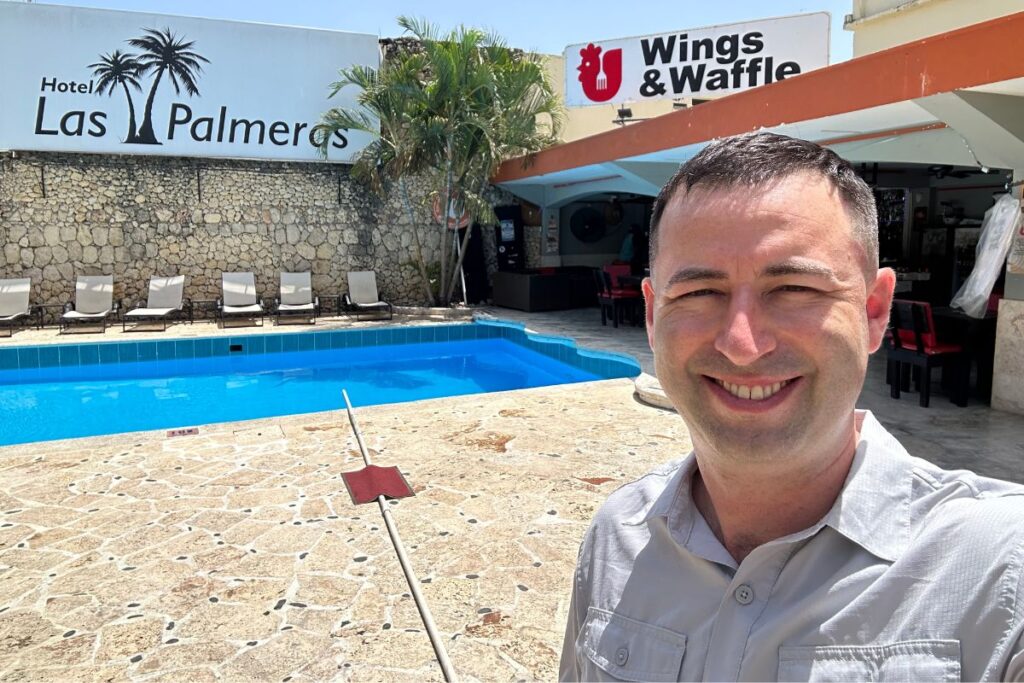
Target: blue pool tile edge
607 364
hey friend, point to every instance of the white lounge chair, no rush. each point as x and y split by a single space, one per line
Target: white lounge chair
165 300
15 310
239 298
296 299
94 302
362 296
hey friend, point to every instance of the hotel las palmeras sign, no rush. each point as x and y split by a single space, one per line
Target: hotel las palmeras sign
99 81
702 62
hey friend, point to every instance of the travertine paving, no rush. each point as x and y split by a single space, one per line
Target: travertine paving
236 554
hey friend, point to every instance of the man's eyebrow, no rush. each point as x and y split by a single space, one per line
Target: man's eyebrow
800 267
693 273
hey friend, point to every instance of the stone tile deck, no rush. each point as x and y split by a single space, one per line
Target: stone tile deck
237 554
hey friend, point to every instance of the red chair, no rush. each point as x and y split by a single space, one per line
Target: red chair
912 343
615 302
617 270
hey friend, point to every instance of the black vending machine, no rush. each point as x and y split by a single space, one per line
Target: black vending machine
508 237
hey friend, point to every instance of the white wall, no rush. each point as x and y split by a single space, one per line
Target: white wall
881 24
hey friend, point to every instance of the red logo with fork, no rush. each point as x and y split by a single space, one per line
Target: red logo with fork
601 75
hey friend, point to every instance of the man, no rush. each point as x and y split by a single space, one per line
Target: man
798 541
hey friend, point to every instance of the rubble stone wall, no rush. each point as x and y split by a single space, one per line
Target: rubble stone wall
63 215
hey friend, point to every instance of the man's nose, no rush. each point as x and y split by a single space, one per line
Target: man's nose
746 333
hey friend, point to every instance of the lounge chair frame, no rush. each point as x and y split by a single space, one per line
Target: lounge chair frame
184 312
69 323
310 310
100 319
224 315
20 319
356 308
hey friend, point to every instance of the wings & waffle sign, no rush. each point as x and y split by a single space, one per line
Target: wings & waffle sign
703 62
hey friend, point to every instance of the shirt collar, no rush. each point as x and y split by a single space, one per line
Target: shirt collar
872 510
674 499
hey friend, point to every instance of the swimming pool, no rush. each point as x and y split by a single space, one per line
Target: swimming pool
72 390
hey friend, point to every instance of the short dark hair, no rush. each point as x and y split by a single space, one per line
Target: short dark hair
757 159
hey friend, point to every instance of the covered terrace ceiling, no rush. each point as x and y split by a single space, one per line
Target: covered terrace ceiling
956 98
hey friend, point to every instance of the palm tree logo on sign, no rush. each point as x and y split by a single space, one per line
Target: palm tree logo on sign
161 52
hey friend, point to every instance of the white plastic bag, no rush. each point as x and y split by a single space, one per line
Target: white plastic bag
997 231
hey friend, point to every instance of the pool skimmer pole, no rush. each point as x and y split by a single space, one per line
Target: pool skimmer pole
403 558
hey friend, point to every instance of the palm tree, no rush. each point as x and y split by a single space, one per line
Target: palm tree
114 69
389 104
454 110
165 52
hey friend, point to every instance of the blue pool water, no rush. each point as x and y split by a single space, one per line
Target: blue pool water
64 401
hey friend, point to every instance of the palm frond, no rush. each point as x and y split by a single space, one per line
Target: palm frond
452 110
113 69
162 51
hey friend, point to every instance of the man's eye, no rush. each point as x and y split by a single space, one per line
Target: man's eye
698 293
795 288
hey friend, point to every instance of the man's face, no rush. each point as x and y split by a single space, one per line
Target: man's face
761 317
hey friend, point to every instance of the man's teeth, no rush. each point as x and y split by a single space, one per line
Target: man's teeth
758 393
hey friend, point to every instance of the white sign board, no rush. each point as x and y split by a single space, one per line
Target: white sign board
702 62
99 81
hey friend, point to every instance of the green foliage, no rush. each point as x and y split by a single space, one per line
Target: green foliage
453 111
433 271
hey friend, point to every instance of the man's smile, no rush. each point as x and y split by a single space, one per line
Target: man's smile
752 395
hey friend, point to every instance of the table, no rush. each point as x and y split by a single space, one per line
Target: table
631 281
201 305
976 335
47 311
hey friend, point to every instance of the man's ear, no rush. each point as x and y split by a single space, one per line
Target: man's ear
648 288
879 301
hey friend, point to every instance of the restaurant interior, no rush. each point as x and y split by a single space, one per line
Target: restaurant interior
930 222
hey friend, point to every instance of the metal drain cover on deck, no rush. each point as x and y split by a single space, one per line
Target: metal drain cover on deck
366 484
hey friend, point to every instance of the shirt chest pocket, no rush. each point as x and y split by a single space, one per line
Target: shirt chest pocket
625 649
910 660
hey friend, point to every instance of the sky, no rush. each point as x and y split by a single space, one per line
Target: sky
536 25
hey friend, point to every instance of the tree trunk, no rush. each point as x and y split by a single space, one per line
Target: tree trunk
462 253
146 135
420 264
131 115
458 265
444 227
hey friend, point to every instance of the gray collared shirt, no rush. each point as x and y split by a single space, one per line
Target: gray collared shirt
914 574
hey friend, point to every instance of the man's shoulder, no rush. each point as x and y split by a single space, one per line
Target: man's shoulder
633 500
963 486
968 509
962 508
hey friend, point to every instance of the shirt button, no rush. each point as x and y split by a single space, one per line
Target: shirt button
744 594
621 655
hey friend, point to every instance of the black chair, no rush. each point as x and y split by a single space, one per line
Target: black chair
912 344
615 302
